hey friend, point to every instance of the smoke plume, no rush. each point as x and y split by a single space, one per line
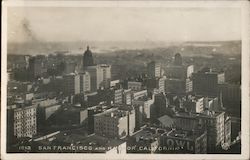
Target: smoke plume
28 31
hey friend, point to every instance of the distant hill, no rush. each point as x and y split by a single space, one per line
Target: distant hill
189 48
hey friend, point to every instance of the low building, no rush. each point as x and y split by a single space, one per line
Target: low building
135 86
146 140
28 96
139 94
175 86
114 83
166 121
112 123
195 104
181 141
100 144
47 111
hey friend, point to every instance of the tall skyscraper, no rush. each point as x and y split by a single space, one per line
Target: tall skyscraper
37 66
88 58
154 69
71 84
85 84
100 76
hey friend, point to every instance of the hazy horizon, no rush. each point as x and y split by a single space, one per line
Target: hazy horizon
86 24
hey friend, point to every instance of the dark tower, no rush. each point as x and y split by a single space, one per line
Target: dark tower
178 59
88 58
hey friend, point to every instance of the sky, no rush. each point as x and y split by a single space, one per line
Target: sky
122 24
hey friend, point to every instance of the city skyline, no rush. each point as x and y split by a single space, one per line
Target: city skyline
125 78
123 24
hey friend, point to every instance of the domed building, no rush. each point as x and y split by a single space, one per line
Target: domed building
88 58
178 59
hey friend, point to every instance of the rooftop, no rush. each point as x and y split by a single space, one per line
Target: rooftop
148 134
182 134
205 114
113 112
99 141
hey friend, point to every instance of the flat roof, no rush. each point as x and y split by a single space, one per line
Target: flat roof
212 114
183 134
113 112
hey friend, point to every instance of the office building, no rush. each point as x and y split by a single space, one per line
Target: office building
215 129
135 86
190 71
189 85
205 83
112 123
177 59
176 86
85 83
160 106
176 72
22 121
154 69
212 122
143 110
127 97
71 84
70 67
93 111
147 105
156 83
37 67
231 94
228 131
118 96
221 78
88 59
139 94
194 104
100 76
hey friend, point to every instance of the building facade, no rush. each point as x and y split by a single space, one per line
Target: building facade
71 84
112 123
154 69
100 76
85 83
24 120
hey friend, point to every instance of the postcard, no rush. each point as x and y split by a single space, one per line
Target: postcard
125 80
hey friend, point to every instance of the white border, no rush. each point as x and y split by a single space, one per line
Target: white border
245 7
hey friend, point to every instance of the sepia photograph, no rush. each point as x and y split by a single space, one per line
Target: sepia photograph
125 80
